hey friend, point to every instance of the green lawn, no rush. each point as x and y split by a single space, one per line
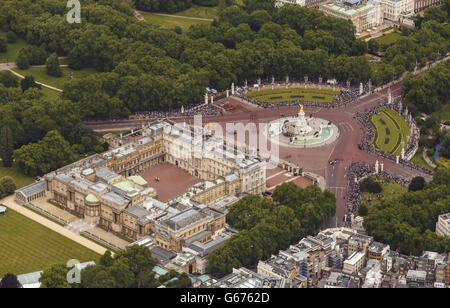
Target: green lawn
388 189
201 12
388 39
40 75
443 162
168 22
19 178
418 159
292 94
443 114
27 246
50 94
392 130
13 50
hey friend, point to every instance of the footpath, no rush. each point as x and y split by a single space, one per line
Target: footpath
9 202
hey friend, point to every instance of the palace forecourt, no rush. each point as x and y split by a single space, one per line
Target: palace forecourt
163 185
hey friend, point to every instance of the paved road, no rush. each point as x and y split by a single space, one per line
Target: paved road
314 159
7 66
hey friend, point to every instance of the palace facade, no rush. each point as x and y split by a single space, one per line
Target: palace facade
106 189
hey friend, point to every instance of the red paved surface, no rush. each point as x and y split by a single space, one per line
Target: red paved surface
173 180
271 172
314 159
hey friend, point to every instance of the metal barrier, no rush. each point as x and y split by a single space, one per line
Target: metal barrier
99 240
45 213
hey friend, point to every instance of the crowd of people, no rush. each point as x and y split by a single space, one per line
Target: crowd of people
356 173
189 111
345 97
370 131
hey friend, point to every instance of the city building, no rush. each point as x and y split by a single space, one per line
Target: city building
108 190
354 263
365 15
245 278
377 251
280 3
338 280
420 5
283 267
202 250
396 10
443 225
414 276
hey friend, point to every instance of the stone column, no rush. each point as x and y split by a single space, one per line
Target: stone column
212 99
232 88
360 88
403 153
206 99
397 159
377 165
228 93
382 167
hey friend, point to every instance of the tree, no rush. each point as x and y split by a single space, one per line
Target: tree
54 277
48 154
106 260
10 281
52 65
359 48
28 83
3 45
370 185
8 79
130 268
22 60
6 146
11 37
363 210
7 186
445 148
417 183
373 46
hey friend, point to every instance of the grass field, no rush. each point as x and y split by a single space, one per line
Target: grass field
293 94
418 159
27 246
388 38
389 189
20 179
444 114
200 12
50 94
169 22
13 50
443 162
40 75
392 130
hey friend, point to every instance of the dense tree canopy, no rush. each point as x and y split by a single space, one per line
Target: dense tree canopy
7 186
429 91
144 67
130 268
10 281
407 222
266 227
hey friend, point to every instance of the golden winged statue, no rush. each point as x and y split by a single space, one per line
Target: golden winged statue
301 108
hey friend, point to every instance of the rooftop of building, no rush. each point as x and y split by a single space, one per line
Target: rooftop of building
185 219
350 10
343 280
354 258
32 189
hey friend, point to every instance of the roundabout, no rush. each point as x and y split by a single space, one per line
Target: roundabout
302 131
